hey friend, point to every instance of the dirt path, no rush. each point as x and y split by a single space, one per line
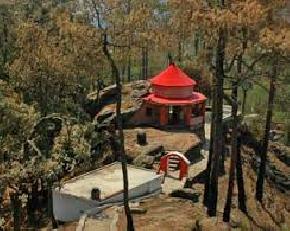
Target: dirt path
172 182
198 167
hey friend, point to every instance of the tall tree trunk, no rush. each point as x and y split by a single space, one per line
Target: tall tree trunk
179 50
5 50
209 162
50 203
146 62
196 43
223 154
240 178
218 124
265 142
235 150
144 67
234 135
239 168
16 203
123 73
244 101
121 149
143 64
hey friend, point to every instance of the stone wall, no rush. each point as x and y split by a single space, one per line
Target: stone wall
141 118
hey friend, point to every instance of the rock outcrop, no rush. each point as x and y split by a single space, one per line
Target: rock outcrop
281 152
279 178
144 161
148 155
101 105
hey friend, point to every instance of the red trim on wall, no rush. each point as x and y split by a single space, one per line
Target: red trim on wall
196 98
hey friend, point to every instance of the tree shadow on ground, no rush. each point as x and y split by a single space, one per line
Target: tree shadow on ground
187 194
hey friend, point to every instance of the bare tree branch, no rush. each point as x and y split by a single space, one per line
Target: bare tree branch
229 68
251 66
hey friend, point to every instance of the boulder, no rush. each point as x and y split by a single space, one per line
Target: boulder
235 223
138 210
194 154
152 150
281 152
281 180
101 104
131 93
144 161
127 114
104 95
95 101
287 207
285 184
104 116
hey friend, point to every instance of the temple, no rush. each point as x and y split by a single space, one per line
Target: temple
173 101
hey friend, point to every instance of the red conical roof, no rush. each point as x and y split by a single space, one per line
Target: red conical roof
172 77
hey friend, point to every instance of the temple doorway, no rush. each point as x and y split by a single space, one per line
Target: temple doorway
175 115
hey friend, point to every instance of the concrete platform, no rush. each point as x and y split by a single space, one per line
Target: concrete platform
108 179
73 199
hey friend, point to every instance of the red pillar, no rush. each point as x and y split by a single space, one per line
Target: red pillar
163 115
187 114
163 166
183 169
203 111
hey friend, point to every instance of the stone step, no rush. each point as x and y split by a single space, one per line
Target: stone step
173 161
174 165
173 158
172 169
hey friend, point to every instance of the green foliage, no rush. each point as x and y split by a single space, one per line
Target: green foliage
52 66
257 99
7 39
72 141
199 73
16 119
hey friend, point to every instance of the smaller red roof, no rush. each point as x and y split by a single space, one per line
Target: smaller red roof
172 77
196 98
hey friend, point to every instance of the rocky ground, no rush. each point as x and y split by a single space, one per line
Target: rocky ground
183 141
171 214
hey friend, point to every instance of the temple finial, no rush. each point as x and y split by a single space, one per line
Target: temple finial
170 59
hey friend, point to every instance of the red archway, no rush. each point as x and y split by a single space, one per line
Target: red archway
180 159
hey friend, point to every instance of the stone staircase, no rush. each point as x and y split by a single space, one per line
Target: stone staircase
173 163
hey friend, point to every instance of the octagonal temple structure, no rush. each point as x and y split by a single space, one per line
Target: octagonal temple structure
172 101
